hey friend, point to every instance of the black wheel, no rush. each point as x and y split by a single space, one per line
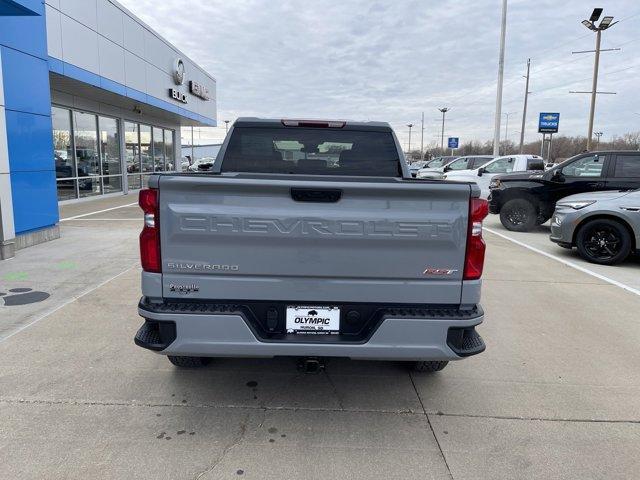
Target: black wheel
603 241
429 367
518 215
189 362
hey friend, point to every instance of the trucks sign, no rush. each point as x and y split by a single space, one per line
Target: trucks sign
548 123
453 142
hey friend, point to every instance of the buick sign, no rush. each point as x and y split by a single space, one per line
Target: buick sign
178 95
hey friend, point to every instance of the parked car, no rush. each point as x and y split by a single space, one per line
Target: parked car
604 226
202 164
482 174
266 257
415 166
524 200
457 163
440 161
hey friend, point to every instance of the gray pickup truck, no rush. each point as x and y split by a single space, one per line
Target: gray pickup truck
311 239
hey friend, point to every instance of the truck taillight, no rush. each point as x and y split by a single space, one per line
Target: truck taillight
150 235
474 259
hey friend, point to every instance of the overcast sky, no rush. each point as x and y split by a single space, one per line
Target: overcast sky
391 60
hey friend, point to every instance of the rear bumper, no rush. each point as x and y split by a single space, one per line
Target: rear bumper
434 336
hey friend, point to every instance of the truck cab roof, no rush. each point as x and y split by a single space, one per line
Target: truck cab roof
310 123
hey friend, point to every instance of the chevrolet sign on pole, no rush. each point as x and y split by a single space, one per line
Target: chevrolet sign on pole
548 123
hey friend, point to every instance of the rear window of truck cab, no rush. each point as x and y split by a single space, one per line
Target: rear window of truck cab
312 151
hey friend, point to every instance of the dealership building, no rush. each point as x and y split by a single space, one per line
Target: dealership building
91 102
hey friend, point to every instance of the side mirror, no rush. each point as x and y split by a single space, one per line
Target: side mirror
558 176
481 170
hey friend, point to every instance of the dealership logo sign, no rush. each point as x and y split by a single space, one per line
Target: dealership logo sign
178 71
548 122
199 90
178 95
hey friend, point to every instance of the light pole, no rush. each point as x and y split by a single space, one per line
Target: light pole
422 138
226 127
444 111
409 148
524 110
598 135
503 34
605 23
506 131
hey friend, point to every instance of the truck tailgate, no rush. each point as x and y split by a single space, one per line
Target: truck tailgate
247 238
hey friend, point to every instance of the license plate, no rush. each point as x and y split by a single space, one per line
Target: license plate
313 319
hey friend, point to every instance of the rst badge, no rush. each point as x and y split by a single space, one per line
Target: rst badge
439 271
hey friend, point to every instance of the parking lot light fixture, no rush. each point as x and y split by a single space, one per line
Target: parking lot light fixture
588 24
595 15
605 23
444 111
410 125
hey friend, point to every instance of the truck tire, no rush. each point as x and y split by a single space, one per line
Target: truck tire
429 367
518 215
603 241
189 362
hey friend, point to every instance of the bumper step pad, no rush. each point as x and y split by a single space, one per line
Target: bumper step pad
465 341
154 335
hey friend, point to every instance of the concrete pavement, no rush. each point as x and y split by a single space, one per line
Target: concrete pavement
556 394
627 272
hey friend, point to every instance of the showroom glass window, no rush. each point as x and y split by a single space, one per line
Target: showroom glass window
88 154
110 154
132 154
63 153
146 153
158 149
85 136
169 158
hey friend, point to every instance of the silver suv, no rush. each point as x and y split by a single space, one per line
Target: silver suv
604 226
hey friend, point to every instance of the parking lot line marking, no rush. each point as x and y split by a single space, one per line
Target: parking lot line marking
566 262
98 211
67 302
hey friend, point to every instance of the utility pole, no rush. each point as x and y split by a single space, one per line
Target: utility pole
503 34
409 148
524 109
444 111
422 138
